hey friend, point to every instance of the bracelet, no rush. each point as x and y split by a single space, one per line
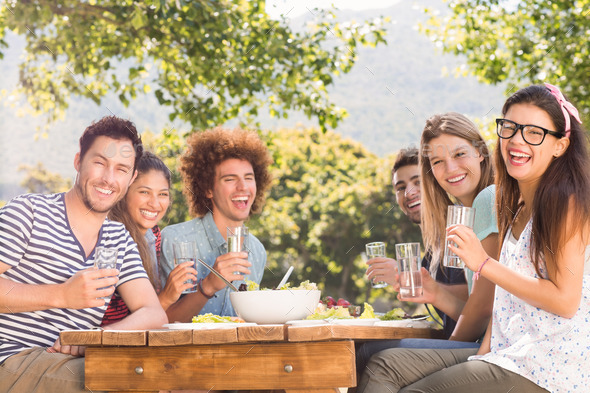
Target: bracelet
200 289
477 273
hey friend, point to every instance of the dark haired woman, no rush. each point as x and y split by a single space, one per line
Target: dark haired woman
144 205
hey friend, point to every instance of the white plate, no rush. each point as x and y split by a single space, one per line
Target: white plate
205 326
413 323
307 322
355 321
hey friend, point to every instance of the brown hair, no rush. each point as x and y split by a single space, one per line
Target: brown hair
435 199
120 212
405 157
566 179
210 148
112 127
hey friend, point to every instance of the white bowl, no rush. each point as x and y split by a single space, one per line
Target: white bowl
275 306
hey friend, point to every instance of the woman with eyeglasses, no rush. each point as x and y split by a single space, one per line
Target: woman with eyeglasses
537 340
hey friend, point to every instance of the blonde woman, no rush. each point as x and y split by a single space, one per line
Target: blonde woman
456 168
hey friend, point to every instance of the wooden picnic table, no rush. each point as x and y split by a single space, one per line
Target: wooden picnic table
292 358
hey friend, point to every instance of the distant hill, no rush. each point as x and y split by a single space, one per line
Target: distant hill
389 94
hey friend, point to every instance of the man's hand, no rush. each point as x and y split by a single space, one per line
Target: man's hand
177 283
430 290
73 350
227 265
384 269
85 288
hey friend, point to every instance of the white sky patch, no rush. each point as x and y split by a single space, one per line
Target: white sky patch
295 8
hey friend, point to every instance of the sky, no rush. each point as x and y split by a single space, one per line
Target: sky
295 8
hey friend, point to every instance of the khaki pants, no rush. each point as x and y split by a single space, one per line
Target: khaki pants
37 371
438 371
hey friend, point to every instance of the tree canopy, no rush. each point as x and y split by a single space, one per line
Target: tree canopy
209 61
521 42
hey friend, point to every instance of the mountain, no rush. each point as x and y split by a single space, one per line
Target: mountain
389 94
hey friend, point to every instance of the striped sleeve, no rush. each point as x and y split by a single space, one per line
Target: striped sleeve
16 223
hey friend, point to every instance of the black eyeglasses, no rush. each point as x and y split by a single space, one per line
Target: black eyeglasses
533 135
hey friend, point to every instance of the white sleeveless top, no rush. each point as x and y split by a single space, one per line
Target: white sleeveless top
551 351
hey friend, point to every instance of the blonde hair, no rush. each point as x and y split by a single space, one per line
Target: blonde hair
435 199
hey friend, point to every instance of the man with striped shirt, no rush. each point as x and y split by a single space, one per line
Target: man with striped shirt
47 279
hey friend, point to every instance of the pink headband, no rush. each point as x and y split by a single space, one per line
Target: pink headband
566 107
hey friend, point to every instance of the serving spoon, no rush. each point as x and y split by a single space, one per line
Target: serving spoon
285 277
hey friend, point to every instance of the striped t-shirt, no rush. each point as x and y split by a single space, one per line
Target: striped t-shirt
36 240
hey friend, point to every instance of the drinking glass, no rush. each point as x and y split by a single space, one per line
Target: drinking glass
105 258
457 215
237 240
374 250
408 262
186 252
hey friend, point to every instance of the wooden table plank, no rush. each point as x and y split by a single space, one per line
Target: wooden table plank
332 332
299 366
124 338
215 336
167 337
81 337
262 333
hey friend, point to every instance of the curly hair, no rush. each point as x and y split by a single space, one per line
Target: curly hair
210 148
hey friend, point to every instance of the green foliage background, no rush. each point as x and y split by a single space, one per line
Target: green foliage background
209 61
212 61
521 42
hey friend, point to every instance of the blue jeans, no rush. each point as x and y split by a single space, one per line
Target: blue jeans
368 349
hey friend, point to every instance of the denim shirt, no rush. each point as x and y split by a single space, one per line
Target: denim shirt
210 245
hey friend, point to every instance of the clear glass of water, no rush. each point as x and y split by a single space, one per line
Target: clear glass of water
186 252
457 215
374 250
105 258
237 240
408 262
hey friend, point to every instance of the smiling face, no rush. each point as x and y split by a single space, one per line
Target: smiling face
456 166
104 174
406 183
234 191
524 162
148 199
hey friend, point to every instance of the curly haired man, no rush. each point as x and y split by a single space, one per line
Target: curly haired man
225 175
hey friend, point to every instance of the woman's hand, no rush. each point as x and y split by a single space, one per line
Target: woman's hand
466 245
383 269
177 283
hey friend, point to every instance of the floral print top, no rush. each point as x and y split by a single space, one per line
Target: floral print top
551 351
